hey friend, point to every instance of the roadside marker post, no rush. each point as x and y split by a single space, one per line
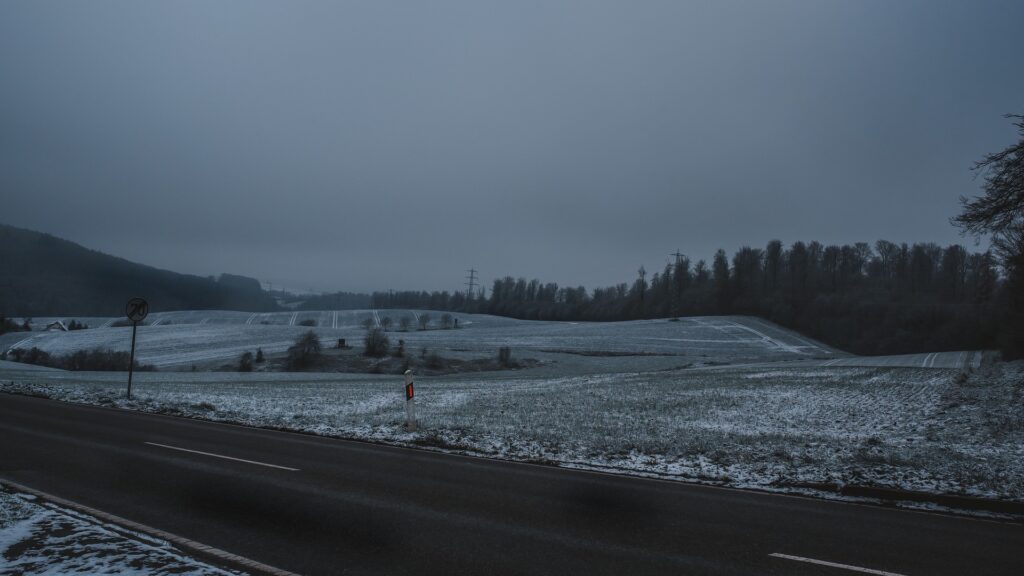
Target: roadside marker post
410 403
136 311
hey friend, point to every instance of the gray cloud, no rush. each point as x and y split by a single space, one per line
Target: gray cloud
372 145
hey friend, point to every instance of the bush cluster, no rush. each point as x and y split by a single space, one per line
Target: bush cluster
98 360
305 353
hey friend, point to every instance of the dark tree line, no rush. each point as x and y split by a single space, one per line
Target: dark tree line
331 301
87 360
882 299
8 325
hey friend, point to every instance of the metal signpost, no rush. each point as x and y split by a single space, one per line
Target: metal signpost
410 403
136 310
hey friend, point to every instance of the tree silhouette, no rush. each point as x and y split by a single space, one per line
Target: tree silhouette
999 212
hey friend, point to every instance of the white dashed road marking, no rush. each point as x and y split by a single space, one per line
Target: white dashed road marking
222 456
835 565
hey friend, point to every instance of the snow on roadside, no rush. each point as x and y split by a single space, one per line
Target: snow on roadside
40 538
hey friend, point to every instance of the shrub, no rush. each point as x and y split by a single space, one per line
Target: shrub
304 353
505 356
8 325
404 323
375 343
308 322
435 361
259 356
446 321
245 362
83 360
400 351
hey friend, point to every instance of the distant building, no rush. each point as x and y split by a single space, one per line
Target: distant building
57 326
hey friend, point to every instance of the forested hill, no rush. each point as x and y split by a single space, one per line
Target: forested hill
41 275
882 299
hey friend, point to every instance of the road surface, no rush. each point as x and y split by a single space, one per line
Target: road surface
320 506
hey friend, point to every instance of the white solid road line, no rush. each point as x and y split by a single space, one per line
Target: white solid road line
224 457
835 565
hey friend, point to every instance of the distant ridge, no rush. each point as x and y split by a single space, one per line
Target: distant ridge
42 275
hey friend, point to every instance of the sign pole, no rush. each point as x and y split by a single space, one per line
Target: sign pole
136 310
410 403
131 361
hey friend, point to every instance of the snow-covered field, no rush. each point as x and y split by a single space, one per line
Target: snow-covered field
208 339
39 538
773 426
178 340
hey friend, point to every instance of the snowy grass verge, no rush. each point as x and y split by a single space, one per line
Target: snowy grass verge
38 537
785 429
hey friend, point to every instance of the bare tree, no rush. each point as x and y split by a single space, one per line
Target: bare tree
245 362
375 343
424 321
304 353
999 212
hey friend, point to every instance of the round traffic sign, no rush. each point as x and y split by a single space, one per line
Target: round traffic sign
136 310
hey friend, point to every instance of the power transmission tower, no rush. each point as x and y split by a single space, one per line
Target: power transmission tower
677 293
471 283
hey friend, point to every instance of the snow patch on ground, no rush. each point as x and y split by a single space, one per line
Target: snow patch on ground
38 538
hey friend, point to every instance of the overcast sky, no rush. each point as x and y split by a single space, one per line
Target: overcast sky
374 145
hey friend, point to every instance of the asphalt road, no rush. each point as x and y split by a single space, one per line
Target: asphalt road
327 506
